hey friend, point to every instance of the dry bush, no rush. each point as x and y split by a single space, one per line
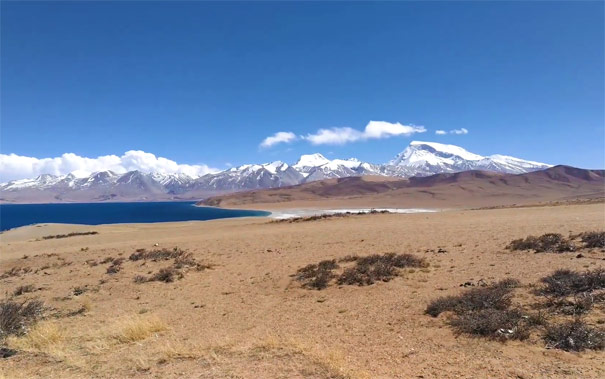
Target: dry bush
496 296
486 312
16 317
24 289
157 254
567 282
549 242
581 304
116 266
15 271
140 279
327 216
365 271
166 275
492 323
317 276
593 239
373 268
575 336
73 234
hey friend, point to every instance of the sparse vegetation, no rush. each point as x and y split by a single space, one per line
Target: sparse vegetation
182 259
496 296
365 271
593 239
158 254
15 272
137 328
73 234
166 275
486 312
317 276
549 243
327 216
16 317
492 323
24 289
567 282
116 266
575 335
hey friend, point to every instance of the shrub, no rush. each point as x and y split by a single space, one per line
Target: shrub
549 242
317 276
116 266
15 271
492 323
166 275
593 239
24 289
370 269
69 235
566 282
581 304
496 296
575 336
15 317
157 254
140 279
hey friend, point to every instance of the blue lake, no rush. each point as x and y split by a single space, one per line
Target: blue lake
15 215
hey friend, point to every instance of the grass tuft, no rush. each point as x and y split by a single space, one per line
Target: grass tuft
137 328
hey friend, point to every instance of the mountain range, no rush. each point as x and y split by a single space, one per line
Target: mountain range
419 159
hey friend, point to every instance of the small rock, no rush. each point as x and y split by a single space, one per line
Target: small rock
579 256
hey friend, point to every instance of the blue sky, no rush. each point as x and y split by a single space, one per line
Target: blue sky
201 82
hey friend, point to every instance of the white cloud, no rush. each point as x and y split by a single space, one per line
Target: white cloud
374 130
453 131
279 137
459 131
14 166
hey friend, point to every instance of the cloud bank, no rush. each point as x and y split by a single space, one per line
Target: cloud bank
374 130
453 131
14 166
279 137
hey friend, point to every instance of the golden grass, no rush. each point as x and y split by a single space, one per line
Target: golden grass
136 328
329 360
44 337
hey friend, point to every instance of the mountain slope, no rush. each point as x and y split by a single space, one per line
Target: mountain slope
461 189
418 159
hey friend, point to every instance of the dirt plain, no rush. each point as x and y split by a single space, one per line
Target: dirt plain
246 317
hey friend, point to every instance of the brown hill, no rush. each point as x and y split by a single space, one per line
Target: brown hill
463 189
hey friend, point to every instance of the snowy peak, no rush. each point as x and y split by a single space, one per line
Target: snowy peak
426 158
420 153
311 160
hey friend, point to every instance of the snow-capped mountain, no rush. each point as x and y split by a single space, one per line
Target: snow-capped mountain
427 158
418 159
